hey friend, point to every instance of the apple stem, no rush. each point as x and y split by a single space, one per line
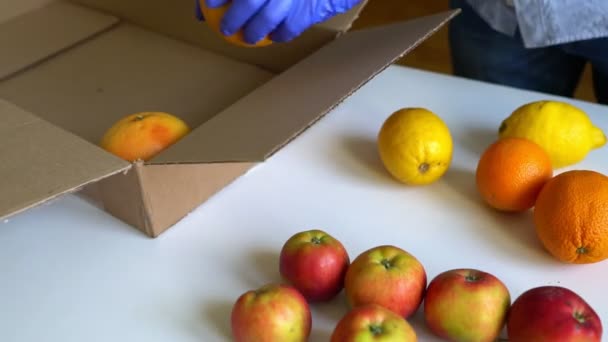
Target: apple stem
375 329
315 240
471 278
386 263
579 317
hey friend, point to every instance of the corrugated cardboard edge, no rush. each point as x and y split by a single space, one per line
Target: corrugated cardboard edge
50 199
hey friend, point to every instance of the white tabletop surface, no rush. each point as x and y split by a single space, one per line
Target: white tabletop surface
72 273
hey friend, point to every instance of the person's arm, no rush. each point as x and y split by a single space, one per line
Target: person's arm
282 20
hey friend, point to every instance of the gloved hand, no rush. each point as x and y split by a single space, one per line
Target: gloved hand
283 20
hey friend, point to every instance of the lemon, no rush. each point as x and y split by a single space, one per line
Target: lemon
415 146
563 130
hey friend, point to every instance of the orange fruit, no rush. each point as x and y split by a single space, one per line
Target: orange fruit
571 216
213 18
511 172
141 136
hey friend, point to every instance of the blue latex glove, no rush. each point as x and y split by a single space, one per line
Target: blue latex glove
283 20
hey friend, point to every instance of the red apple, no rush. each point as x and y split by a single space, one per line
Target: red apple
387 276
372 322
273 312
315 263
552 313
466 305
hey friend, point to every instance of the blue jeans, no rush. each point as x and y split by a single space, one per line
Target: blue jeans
482 53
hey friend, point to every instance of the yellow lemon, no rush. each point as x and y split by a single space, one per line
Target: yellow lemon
563 130
415 146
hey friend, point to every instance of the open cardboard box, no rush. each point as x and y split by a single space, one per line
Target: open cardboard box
70 69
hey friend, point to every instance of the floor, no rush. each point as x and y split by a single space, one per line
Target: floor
433 54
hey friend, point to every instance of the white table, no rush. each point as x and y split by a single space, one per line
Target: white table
70 272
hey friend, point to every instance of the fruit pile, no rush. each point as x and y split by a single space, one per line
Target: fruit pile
516 172
385 285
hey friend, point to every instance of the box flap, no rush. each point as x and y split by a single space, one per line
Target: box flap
153 198
173 191
122 196
41 161
13 8
260 123
41 33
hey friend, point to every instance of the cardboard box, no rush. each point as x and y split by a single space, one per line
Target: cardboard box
70 69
